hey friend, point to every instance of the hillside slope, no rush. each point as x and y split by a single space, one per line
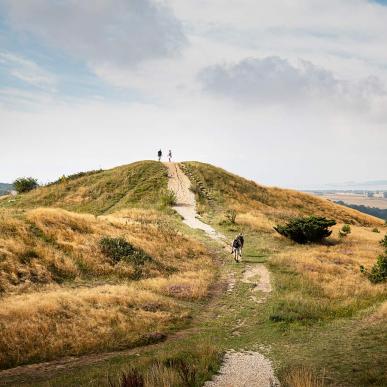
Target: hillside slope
219 190
98 192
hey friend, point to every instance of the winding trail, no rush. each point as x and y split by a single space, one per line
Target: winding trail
239 369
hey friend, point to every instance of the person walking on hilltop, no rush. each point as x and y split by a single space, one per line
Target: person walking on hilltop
159 154
170 155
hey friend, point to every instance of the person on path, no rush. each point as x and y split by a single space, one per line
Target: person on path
159 154
170 155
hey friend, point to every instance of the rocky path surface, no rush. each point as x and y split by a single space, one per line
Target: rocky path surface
239 369
180 184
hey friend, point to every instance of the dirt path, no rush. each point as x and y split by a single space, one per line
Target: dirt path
239 369
185 204
259 277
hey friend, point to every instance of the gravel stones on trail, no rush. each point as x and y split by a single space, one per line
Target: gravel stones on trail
180 184
244 369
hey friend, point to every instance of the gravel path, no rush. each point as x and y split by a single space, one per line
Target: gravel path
239 369
247 369
180 184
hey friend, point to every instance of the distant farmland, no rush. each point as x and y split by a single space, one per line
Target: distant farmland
358 200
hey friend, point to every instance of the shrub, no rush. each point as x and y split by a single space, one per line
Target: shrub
25 184
306 229
118 249
345 230
375 229
378 272
231 216
383 242
168 198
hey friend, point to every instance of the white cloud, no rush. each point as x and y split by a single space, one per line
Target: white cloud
27 71
273 80
119 32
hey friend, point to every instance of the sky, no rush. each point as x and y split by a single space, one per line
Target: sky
286 93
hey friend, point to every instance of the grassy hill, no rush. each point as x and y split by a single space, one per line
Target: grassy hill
98 192
98 262
219 191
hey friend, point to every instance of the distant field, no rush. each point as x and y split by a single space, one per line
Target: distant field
358 200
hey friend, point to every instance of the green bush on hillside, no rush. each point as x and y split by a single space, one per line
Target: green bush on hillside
378 272
306 229
118 249
383 242
25 184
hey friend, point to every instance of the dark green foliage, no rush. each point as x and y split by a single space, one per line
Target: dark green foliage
378 272
306 229
25 184
375 229
118 249
383 242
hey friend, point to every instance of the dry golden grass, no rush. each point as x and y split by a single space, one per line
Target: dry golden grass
53 301
61 322
274 204
52 245
302 377
335 267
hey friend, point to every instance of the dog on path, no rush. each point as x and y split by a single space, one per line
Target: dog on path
237 247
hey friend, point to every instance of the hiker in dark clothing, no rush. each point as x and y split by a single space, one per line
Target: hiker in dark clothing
159 154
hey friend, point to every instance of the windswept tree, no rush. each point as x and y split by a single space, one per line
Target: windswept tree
25 184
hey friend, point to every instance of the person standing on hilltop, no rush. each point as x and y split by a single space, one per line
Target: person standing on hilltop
159 154
170 155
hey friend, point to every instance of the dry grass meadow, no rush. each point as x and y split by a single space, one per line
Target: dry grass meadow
60 294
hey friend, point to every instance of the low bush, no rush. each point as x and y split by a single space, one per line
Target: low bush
118 249
168 198
375 229
378 272
383 242
306 229
345 230
25 184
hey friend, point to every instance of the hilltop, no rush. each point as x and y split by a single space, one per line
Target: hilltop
143 184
